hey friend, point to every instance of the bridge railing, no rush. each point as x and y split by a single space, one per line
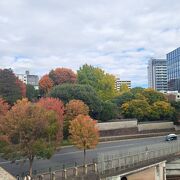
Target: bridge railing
134 156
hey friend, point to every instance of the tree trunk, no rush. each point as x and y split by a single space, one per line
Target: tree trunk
84 157
30 165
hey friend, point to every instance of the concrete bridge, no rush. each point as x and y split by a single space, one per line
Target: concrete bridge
118 165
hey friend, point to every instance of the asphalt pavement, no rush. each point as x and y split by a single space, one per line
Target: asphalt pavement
68 156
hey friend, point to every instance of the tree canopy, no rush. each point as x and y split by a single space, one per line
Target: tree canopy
85 93
62 75
84 133
26 127
103 83
9 88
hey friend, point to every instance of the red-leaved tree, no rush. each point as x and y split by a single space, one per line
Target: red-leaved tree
45 84
4 107
22 87
57 106
62 75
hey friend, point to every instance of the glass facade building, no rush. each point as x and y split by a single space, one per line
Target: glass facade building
173 70
157 74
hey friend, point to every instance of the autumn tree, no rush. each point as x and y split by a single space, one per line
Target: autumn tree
102 82
85 93
45 84
22 87
73 109
84 133
124 88
9 90
26 127
153 96
163 111
57 106
135 108
4 107
62 75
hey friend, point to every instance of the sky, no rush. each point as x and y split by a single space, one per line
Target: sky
115 35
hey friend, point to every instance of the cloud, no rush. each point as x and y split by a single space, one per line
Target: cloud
118 36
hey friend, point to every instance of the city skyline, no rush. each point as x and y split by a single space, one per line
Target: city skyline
119 37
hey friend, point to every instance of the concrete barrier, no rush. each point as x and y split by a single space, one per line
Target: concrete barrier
118 125
155 126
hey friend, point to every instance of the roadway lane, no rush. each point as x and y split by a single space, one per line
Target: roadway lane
70 155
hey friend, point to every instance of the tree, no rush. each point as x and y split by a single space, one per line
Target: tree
22 87
26 127
123 98
124 88
103 83
4 107
73 109
153 96
163 110
136 90
57 106
45 84
109 111
31 92
139 109
62 75
85 93
84 133
9 90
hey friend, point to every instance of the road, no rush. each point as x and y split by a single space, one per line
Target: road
70 155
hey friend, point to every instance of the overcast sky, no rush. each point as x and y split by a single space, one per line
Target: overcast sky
116 35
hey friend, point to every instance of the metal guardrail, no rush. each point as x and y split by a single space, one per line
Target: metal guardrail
122 160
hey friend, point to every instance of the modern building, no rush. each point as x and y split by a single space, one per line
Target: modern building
119 83
173 70
157 74
27 78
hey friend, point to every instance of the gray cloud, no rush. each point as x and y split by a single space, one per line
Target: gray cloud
118 36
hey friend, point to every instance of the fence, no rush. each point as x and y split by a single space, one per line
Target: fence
113 160
118 160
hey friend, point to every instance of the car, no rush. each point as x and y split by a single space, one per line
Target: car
171 137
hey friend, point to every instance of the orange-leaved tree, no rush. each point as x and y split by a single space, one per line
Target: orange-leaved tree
57 106
4 107
45 84
26 127
73 109
62 75
84 133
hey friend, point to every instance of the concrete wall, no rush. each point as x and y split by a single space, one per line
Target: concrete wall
134 124
117 125
152 126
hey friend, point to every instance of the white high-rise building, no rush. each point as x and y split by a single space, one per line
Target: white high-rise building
157 74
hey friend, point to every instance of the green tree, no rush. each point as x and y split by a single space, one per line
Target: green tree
9 89
123 98
153 96
109 111
85 93
31 92
26 127
139 109
136 90
102 82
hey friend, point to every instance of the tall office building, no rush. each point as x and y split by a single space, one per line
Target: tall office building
157 74
173 70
